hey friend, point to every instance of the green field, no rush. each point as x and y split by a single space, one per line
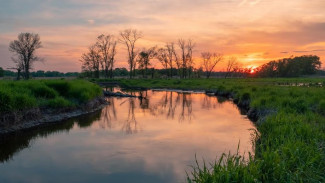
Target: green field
290 144
21 95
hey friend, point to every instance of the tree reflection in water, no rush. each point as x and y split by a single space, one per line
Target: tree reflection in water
108 114
168 104
131 126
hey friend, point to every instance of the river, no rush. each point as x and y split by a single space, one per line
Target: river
154 139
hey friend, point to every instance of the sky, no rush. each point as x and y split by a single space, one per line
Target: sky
254 31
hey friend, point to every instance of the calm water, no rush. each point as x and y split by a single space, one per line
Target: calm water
131 140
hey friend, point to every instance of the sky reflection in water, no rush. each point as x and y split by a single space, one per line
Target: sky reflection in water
131 140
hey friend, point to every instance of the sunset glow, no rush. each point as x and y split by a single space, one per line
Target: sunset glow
255 31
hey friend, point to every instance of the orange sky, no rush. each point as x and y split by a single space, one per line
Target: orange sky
255 31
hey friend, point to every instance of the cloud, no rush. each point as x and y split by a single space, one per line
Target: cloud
235 27
91 22
250 2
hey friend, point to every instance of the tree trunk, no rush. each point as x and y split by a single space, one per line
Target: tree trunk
26 73
111 73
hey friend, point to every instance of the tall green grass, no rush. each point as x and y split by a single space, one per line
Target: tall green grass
20 95
290 145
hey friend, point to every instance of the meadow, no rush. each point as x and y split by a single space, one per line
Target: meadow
51 94
290 141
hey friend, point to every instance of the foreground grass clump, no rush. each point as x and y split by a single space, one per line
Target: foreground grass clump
290 145
20 95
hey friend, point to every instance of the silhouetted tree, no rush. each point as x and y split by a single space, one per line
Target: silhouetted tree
162 56
91 60
104 43
231 64
112 58
185 60
144 58
129 38
210 60
290 67
25 51
170 48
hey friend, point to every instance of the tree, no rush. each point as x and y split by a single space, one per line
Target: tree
129 37
290 67
112 58
189 56
25 51
144 58
210 60
162 56
181 44
170 55
104 44
186 61
231 64
91 60
1 72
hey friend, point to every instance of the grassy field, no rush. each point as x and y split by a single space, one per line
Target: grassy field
290 145
20 95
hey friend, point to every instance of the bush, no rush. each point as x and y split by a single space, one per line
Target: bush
61 86
20 95
41 90
59 102
5 101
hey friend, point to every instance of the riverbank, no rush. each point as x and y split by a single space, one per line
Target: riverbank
290 119
28 104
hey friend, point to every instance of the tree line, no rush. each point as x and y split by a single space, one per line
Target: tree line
175 57
172 56
290 67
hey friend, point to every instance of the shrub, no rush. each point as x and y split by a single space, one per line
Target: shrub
61 86
58 102
5 101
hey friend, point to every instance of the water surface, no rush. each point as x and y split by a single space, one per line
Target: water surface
131 140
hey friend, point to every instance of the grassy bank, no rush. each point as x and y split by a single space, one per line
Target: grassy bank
22 95
290 146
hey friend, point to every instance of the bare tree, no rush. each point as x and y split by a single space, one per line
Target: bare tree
129 38
91 60
144 58
231 64
24 48
170 55
189 56
210 60
162 56
181 44
104 44
112 58
186 56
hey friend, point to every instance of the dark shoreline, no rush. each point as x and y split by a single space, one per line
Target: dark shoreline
41 117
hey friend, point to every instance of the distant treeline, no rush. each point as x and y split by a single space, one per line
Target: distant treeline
290 67
167 73
286 67
40 73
